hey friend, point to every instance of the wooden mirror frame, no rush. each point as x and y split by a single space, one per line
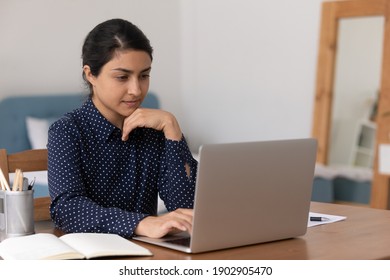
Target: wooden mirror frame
332 12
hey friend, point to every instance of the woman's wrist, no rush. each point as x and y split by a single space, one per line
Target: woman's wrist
172 129
141 228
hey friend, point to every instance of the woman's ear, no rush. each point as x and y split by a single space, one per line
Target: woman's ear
88 74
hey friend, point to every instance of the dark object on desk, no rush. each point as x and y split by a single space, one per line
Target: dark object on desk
318 219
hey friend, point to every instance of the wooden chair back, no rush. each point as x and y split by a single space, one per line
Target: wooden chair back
27 161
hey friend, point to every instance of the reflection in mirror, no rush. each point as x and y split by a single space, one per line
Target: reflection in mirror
357 82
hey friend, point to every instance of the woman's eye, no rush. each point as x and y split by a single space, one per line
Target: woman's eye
145 76
122 78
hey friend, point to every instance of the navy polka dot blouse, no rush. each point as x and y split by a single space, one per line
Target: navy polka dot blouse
98 183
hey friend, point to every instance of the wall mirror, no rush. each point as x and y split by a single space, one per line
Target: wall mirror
355 91
348 100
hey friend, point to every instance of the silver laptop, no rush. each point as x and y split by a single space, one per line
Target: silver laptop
248 193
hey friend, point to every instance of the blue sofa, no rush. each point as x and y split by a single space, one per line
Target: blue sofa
14 112
346 184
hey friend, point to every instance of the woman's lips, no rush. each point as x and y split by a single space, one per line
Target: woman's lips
131 103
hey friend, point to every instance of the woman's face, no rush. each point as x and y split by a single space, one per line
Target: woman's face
122 84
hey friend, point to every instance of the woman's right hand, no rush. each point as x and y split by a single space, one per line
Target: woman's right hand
170 223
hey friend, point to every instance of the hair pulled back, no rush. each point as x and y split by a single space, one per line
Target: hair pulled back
108 37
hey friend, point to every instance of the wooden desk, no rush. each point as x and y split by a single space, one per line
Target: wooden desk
365 234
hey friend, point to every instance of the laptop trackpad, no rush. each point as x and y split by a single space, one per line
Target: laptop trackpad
176 241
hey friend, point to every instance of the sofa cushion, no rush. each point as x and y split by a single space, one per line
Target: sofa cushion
37 129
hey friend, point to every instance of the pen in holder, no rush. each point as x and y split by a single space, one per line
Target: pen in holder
16 210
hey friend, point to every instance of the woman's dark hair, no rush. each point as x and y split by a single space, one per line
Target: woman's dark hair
107 38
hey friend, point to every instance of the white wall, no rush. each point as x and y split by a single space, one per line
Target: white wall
249 69
231 70
41 40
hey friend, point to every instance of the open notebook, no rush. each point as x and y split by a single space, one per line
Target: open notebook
44 246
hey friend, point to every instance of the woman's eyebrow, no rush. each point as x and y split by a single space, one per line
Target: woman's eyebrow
128 71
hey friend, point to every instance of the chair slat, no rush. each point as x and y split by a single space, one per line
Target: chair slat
31 160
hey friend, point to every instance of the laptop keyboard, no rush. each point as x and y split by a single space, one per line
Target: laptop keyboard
185 241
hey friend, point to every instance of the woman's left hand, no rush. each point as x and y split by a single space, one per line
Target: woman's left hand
169 223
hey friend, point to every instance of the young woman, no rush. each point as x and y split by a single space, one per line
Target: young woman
110 159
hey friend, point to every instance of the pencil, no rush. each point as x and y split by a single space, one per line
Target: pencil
15 180
15 185
20 180
4 181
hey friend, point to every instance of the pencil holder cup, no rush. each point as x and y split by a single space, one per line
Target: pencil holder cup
16 213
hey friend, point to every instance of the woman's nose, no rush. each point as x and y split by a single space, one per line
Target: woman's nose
134 87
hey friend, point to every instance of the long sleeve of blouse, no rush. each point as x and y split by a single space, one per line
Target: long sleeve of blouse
99 183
